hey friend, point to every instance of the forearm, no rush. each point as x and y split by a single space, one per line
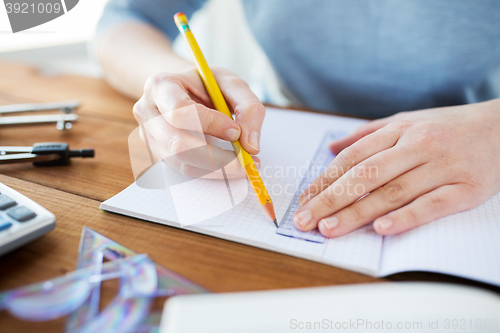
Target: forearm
132 52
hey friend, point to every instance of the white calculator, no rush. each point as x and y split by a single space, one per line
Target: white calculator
21 219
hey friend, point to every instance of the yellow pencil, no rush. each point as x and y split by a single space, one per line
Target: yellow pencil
220 104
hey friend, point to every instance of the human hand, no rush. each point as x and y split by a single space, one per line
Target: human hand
178 121
413 167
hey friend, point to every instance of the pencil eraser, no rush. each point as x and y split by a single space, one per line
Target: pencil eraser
180 17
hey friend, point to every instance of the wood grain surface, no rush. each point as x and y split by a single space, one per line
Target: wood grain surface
213 263
73 193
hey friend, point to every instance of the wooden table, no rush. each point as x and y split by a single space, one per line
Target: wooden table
73 193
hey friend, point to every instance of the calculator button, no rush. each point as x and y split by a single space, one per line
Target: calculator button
6 202
21 214
5 225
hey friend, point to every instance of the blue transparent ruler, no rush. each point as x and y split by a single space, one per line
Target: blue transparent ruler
320 162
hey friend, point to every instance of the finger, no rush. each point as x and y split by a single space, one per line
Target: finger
186 147
196 88
199 118
445 200
172 99
166 89
211 158
188 170
360 180
383 200
338 145
195 172
175 90
348 158
249 112
144 110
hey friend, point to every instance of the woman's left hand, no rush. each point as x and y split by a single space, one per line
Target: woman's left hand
416 166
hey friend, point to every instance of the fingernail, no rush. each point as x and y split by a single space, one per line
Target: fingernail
305 199
257 165
232 134
330 222
383 224
253 140
302 217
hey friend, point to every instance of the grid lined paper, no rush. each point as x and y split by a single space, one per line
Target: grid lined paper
465 244
286 155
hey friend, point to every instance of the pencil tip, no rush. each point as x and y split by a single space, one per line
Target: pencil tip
276 223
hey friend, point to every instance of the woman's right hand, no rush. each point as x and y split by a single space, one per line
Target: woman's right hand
179 123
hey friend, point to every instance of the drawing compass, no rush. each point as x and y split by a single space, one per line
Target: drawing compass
43 154
64 119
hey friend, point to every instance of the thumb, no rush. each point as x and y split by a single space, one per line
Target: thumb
250 118
249 112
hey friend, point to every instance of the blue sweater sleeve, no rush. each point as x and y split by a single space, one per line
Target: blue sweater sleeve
158 13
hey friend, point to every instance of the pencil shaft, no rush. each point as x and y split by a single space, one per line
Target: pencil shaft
220 104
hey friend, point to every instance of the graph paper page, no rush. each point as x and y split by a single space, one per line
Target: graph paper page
465 244
289 141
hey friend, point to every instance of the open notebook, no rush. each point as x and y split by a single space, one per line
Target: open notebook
465 244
